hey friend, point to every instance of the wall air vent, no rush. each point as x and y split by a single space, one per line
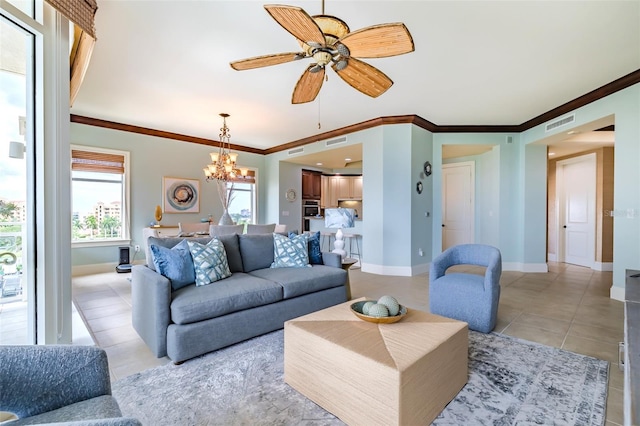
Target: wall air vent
561 122
335 141
295 151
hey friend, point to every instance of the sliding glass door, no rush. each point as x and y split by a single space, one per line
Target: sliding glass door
17 301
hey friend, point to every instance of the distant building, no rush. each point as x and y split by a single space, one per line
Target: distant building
102 210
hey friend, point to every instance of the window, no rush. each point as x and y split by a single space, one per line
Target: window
99 193
243 206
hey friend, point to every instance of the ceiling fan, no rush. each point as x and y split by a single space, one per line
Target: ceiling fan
327 40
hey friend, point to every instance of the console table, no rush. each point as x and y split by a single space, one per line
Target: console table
632 348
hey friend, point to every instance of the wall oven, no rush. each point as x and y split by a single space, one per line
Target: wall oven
310 208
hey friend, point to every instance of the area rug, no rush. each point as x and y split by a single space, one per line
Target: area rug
511 382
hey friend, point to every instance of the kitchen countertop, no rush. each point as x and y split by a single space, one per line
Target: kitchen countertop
322 218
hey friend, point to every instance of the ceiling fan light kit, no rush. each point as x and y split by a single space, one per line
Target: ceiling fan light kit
328 40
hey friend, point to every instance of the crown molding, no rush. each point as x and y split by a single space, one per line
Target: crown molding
601 92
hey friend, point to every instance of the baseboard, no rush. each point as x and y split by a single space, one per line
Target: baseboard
400 271
97 268
603 266
617 293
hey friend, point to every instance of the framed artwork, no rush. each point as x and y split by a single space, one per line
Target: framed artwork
181 195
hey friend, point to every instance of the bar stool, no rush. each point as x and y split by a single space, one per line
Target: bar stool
324 236
352 237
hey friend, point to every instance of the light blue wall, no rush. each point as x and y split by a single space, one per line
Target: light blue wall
512 211
152 158
624 106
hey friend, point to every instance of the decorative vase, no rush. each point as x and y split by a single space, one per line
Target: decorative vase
225 219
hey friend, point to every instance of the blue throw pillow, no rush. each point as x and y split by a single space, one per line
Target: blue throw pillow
290 252
174 263
209 261
315 253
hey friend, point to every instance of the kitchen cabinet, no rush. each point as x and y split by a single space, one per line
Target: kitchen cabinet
311 185
336 188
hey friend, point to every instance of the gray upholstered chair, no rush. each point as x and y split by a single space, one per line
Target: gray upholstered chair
58 384
261 229
467 297
217 230
194 227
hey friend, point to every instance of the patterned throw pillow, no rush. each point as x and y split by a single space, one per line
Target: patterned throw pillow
174 263
315 252
210 261
290 252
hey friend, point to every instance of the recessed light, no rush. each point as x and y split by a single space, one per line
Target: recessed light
571 132
318 164
552 153
347 159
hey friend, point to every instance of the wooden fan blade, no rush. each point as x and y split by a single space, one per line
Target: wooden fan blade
308 86
379 41
264 61
297 22
364 77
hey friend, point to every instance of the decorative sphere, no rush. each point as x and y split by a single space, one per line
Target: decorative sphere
366 306
378 310
391 303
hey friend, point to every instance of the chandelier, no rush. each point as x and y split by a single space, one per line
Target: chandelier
223 163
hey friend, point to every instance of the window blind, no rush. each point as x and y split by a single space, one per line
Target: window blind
87 161
80 12
250 178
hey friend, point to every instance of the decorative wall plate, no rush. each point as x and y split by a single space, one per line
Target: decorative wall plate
290 195
427 168
419 187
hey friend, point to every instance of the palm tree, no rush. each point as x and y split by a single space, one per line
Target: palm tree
109 223
91 222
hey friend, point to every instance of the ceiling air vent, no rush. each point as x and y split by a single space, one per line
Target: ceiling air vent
295 151
561 122
335 141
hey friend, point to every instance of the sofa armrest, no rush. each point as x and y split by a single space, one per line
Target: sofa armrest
36 379
150 307
332 259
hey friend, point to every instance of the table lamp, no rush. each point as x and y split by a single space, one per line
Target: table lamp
339 218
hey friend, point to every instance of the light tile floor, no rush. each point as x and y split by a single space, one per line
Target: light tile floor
568 307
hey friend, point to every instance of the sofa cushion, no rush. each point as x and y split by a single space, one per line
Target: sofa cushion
174 263
230 242
238 292
290 252
299 281
256 251
209 261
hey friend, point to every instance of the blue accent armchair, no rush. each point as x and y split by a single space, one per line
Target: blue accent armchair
58 384
467 297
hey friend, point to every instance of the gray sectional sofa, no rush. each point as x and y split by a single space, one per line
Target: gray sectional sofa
254 300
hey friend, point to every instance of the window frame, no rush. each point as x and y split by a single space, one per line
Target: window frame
126 201
254 193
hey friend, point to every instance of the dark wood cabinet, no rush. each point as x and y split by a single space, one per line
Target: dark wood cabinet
311 185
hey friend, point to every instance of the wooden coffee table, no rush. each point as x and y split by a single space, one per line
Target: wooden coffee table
380 374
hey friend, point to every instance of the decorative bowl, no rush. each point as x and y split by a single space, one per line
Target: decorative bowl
356 308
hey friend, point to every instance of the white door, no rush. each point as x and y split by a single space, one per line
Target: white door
457 203
576 179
